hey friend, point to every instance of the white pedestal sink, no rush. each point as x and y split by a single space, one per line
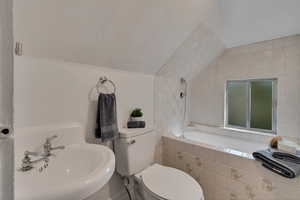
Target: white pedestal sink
74 173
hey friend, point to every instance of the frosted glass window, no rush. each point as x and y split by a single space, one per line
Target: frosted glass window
251 105
261 105
237 103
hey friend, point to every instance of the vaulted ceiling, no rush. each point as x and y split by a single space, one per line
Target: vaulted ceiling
249 21
141 35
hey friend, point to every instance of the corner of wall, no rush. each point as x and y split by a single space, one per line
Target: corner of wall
201 48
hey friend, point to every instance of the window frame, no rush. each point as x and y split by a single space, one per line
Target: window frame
248 117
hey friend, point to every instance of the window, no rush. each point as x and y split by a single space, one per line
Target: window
251 105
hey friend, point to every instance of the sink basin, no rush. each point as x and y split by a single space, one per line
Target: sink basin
72 174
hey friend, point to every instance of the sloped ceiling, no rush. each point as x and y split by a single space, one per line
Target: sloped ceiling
142 35
249 21
135 35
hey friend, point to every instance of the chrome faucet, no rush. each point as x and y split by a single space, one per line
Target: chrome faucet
27 163
48 146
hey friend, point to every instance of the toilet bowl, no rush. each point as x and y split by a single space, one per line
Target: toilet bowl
158 182
135 150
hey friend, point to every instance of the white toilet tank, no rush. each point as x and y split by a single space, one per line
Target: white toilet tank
135 150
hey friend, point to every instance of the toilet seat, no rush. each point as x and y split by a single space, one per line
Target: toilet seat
167 183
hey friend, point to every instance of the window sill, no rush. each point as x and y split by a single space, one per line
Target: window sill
233 132
249 131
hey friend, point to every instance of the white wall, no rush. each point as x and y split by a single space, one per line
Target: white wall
6 62
278 58
6 90
55 92
49 92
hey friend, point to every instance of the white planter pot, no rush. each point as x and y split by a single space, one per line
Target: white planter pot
136 118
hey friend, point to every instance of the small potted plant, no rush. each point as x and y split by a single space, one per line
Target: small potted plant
136 115
136 119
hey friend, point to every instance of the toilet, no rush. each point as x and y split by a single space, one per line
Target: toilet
135 149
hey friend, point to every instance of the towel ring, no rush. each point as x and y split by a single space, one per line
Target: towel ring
102 80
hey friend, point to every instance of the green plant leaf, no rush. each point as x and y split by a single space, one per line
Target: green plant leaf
137 112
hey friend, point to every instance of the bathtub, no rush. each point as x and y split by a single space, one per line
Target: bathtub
234 144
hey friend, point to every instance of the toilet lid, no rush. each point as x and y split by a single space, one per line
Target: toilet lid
170 183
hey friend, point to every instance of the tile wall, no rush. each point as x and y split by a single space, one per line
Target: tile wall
194 54
224 176
279 58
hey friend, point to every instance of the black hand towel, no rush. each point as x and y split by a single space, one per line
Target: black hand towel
288 157
279 166
107 125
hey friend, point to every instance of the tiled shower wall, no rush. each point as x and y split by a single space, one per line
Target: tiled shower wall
224 176
196 52
278 58
200 49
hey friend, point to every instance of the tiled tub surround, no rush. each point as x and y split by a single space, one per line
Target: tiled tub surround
279 58
240 144
227 176
195 53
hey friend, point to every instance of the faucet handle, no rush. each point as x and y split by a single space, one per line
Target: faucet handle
29 153
48 139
